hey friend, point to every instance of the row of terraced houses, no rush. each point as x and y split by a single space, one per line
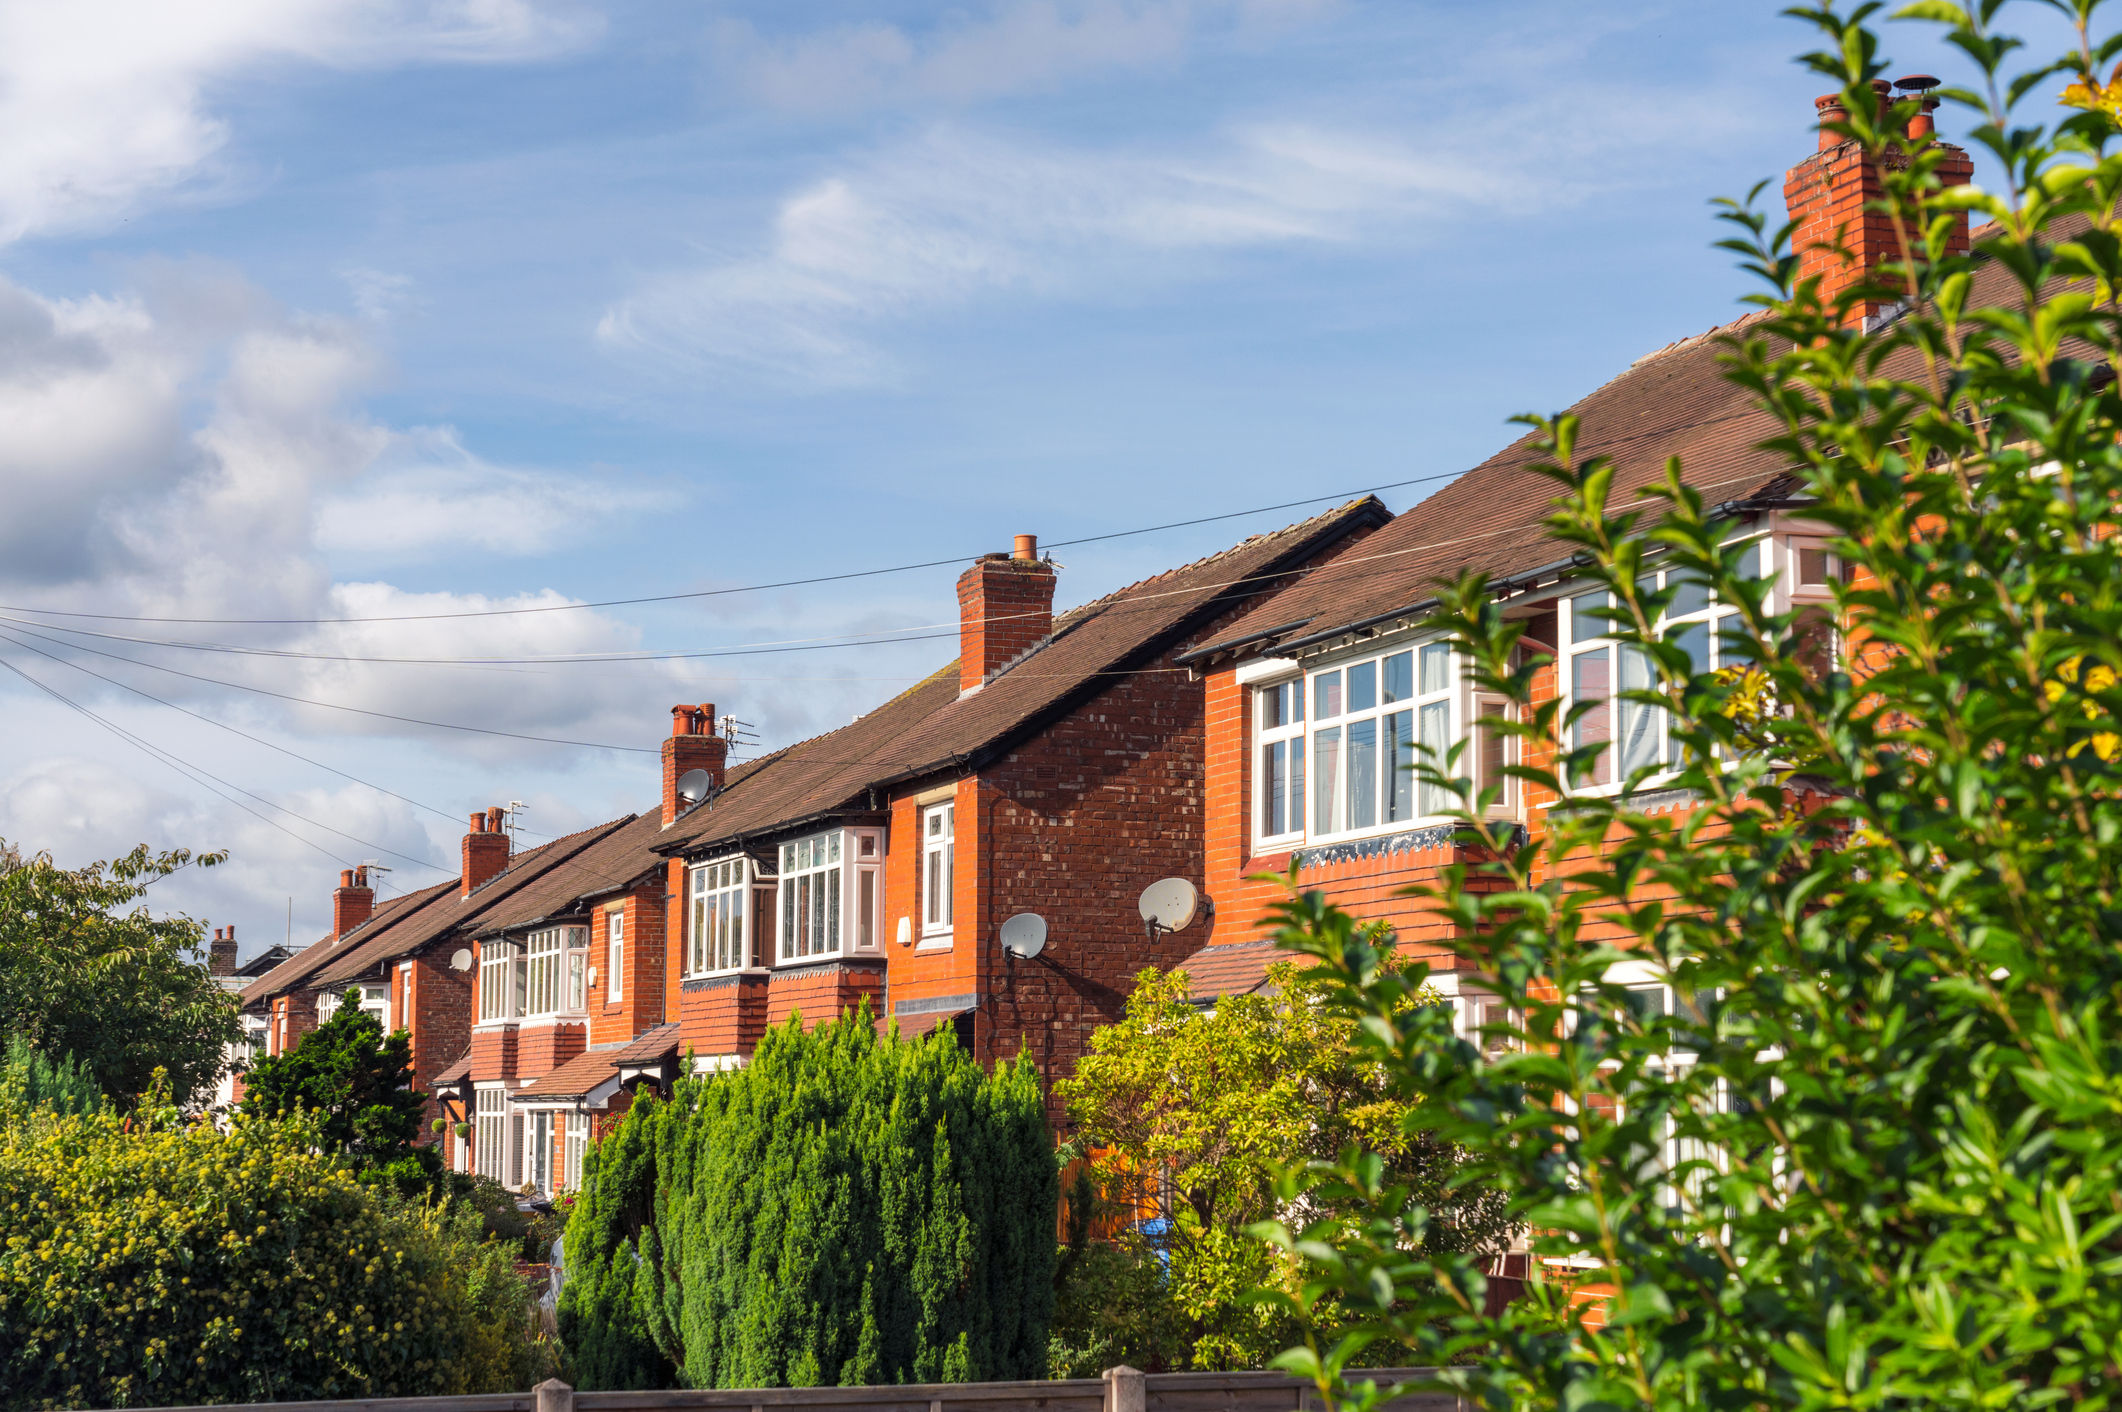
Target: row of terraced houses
1248 713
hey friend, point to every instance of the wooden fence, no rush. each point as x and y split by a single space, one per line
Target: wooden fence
1119 1390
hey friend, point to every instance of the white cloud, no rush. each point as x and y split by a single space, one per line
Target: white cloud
107 102
431 494
953 217
191 451
1010 46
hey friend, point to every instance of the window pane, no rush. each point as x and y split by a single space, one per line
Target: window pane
788 918
1749 566
1732 644
1435 667
1435 728
1400 676
933 886
1494 753
1693 639
1583 627
1362 772
1690 595
1399 763
831 884
1590 682
1362 686
1272 706
1326 696
1639 722
1326 779
1274 788
1296 785
866 907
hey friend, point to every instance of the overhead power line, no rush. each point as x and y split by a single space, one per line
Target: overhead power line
201 776
725 592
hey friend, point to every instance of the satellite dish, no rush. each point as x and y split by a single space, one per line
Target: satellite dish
695 786
1024 935
461 960
1169 905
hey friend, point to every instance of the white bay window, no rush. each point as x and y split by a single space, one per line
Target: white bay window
719 917
830 889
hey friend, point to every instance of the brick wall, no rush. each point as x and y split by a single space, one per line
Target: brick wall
722 1014
544 1045
439 1006
821 991
1073 824
645 992
493 1053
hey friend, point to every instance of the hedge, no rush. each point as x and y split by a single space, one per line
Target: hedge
848 1209
184 1265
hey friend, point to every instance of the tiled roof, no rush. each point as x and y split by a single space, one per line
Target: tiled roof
573 1079
650 1047
611 863
455 1073
1237 969
931 727
1674 402
916 1025
453 912
298 968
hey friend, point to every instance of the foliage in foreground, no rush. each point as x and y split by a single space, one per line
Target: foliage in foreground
847 1209
118 990
1185 1119
145 1263
1872 1156
356 1085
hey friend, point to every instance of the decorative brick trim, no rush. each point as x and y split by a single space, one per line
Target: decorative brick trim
928 1003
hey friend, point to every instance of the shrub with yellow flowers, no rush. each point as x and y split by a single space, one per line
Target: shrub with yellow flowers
147 1262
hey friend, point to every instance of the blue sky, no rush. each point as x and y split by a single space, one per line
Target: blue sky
315 309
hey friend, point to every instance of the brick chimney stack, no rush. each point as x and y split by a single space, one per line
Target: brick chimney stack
693 745
353 901
1827 195
485 850
221 956
1005 605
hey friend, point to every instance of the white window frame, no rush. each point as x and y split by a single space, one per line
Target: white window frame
1636 733
553 958
721 937
538 1149
1414 699
490 1130
577 1143
615 955
1278 761
574 976
375 1000
498 990
819 894
939 871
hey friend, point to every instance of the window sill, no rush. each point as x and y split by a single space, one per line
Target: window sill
493 1025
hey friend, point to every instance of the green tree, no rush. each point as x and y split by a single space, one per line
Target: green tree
846 1209
1872 1156
1186 1118
356 1084
33 1080
116 987
610 1247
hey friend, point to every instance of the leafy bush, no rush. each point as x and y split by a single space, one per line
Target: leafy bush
1186 1118
117 990
157 1264
848 1209
1871 1156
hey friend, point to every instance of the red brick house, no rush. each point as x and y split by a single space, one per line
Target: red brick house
1057 768
1319 697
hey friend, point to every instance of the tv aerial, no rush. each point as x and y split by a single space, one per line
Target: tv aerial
697 787
1024 935
1168 905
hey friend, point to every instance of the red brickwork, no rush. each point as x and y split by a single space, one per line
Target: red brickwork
544 1045
693 745
644 995
493 1053
1004 606
352 901
485 851
1827 194
722 1014
1073 824
822 991
439 1007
